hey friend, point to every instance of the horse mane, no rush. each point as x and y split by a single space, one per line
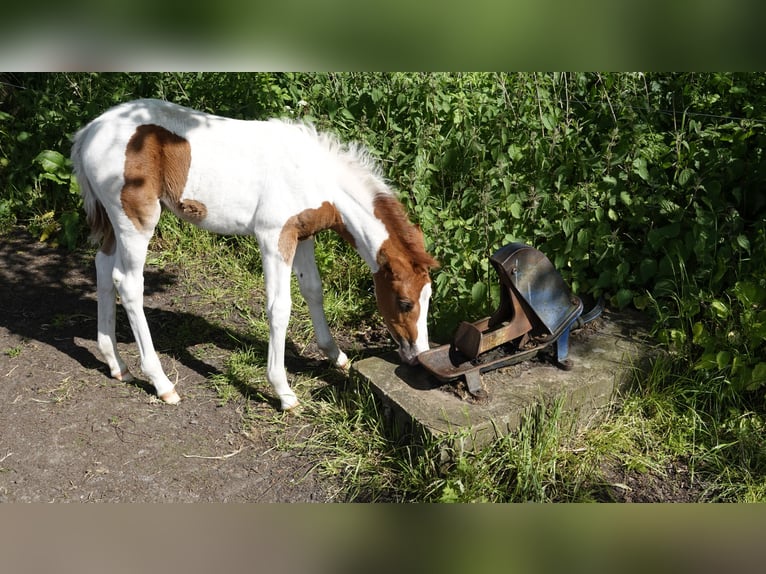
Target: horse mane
409 237
365 169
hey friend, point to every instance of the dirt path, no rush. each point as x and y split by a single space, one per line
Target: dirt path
70 433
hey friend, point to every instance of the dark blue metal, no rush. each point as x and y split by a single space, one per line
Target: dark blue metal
546 298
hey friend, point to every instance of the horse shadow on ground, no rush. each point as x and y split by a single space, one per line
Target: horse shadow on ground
48 295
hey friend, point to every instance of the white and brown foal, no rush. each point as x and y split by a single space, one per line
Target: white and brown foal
280 181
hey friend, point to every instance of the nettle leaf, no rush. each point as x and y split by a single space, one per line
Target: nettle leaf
623 297
758 376
699 334
743 242
640 168
685 175
478 292
722 359
52 162
705 362
719 309
658 236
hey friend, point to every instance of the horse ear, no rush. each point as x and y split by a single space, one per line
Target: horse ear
382 259
434 263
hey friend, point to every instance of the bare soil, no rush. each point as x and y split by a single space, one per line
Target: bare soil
68 432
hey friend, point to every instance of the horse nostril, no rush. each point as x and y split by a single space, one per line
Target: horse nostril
408 357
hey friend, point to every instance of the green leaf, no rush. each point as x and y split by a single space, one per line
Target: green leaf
515 153
478 293
641 302
684 176
743 242
749 293
706 361
623 297
516 210
699 334
719 309
722 359
599 213
758 377
51 161
658 237
567 226
639 167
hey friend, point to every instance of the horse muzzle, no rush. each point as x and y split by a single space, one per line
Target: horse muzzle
408 353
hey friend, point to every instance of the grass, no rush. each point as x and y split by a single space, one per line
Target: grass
675 435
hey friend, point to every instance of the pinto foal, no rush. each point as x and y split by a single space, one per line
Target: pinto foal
279 181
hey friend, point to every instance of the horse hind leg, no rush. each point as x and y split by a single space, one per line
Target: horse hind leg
310 283
128 278
107 308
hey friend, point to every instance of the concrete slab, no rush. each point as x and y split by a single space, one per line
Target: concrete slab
605 355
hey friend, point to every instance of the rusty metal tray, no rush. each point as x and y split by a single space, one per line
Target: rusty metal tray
536 310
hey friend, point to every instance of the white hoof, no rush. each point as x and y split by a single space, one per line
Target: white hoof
289 402
124 376
343 361
171 397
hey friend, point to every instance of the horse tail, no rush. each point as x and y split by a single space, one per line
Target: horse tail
101 229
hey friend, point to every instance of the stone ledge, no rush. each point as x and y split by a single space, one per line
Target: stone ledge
604 354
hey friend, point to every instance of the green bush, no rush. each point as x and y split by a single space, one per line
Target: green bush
643 188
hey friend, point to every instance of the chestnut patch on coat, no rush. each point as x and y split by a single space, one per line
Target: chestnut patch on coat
403 236
156 169
307 223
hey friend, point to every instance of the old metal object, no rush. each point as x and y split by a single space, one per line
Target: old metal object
536 310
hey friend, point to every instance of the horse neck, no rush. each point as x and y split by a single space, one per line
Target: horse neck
363 230
373 220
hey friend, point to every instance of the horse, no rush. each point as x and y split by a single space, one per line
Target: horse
279 180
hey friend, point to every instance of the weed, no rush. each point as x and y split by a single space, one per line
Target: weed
13 352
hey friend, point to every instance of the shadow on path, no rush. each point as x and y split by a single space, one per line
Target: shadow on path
48 295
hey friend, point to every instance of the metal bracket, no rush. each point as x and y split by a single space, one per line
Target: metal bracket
536 310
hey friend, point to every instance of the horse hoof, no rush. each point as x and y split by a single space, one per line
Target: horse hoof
343 362
125 376
171 398
289 403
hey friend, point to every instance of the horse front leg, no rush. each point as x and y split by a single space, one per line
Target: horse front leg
305 268
278 306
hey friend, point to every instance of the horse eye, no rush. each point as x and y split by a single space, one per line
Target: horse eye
405 305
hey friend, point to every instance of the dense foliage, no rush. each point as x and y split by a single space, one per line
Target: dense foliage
644 188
